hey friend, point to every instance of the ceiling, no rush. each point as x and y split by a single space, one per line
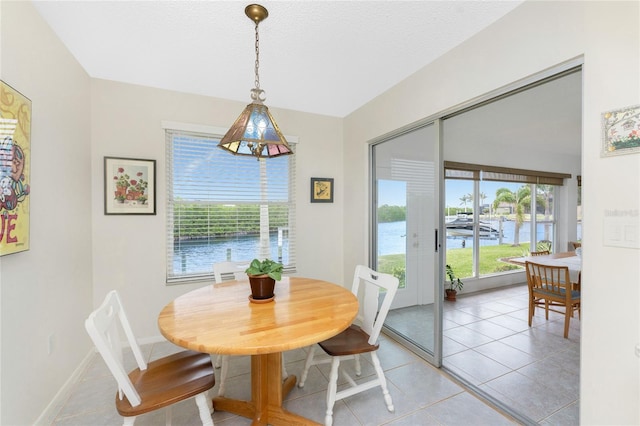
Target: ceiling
324 57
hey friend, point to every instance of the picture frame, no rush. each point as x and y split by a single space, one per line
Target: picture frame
129 186
15 170
321 190
621 131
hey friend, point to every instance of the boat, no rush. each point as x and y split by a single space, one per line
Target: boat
462 226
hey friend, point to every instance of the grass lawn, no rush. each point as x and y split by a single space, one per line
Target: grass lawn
461 260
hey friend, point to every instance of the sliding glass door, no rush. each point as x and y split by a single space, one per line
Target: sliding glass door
405 171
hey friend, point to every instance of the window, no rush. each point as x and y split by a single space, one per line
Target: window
224 207
492 215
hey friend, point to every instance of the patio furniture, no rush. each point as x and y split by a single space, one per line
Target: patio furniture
550 286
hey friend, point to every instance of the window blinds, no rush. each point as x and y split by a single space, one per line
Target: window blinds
466 171
225 207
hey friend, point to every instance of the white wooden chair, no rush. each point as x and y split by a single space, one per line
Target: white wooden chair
152 386
357 339
223 271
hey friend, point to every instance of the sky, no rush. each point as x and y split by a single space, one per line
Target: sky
393 192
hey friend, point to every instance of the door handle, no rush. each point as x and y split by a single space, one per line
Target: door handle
436 241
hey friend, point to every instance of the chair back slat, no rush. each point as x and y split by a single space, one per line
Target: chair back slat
230 270
540 253
102 325
552 280
373 283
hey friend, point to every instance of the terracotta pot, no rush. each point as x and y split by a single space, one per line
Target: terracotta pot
450 294
261 286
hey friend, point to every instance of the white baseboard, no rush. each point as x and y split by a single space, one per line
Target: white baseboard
51 411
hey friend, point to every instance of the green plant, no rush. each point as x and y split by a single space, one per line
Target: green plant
454 282
265 267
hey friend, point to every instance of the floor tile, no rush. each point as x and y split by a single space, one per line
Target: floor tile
478 368
459 409
505 354
509 359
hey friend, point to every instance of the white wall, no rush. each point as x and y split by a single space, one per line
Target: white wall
129 251
46 290
532 38
76 122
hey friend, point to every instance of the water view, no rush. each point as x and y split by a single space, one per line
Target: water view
199 255
392 236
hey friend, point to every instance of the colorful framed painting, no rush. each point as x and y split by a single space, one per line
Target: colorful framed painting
621 131
321 190
15 170
129 186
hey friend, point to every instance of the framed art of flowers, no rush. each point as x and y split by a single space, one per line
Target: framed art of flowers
621 131
129 186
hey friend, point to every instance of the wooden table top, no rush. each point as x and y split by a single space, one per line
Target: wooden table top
219 318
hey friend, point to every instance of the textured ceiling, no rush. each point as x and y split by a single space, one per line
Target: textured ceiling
325 57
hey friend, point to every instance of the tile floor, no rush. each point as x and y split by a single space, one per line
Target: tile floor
487 341
422 395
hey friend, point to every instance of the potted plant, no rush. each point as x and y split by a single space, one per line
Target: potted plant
263 275
455 284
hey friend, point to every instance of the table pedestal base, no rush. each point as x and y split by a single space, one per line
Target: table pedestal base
267 392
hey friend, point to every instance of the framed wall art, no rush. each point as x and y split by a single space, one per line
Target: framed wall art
15 170
129 186
321 190
621 131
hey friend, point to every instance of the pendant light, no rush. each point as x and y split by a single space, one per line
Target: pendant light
255 132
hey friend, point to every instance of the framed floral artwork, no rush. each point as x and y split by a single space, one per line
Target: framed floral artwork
129 186
621 131
321 190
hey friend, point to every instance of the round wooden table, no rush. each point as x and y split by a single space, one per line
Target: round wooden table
220 319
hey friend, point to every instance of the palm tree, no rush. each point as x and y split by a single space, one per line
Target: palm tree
465 199
518 200
482 197
545 194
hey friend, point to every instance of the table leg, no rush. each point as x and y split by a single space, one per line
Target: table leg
267 393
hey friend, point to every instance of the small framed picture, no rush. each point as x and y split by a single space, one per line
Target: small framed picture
321 190
129 186
621 131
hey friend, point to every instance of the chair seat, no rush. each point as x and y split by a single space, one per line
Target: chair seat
165 382
351 341
574 293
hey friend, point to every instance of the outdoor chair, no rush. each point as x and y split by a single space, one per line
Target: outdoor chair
540 253
550 286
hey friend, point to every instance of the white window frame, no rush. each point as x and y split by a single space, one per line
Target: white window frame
171 127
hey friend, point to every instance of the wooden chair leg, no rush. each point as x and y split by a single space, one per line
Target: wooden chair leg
532 308
546 310
567 318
